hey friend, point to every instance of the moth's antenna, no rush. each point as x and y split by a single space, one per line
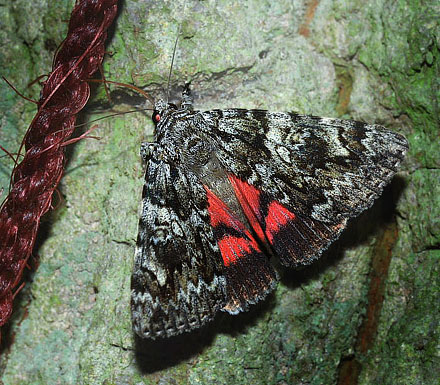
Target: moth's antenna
172 61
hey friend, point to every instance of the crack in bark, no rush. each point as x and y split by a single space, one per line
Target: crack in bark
350 367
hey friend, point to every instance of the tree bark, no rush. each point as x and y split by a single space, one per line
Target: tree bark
366 313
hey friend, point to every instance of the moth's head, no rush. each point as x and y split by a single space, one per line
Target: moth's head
161 110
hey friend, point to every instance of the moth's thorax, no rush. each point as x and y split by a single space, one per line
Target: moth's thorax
180 139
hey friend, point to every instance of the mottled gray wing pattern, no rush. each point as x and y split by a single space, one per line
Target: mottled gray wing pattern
177 282
321 169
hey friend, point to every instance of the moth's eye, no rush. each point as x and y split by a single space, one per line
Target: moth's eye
155 117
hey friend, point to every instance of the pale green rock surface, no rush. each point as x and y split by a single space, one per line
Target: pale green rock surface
376 61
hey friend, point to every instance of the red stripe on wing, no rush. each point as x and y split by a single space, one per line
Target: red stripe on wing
277 217
231 247
249 198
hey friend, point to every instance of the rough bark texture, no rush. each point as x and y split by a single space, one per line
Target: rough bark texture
367 313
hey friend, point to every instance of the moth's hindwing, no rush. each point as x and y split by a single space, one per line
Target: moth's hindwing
249 275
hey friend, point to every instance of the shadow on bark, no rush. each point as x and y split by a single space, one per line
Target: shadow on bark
152 356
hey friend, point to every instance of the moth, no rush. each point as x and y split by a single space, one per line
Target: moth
225 190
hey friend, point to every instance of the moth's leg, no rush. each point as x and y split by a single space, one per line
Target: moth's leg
187 98
147 149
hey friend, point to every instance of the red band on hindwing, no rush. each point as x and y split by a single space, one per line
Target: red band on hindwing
249 198
272 221
233 240
249 275
277 217
295 239
232 248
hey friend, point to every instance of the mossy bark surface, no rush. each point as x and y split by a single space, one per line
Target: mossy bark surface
366 313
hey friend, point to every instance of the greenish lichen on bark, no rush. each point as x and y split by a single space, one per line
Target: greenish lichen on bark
374 61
